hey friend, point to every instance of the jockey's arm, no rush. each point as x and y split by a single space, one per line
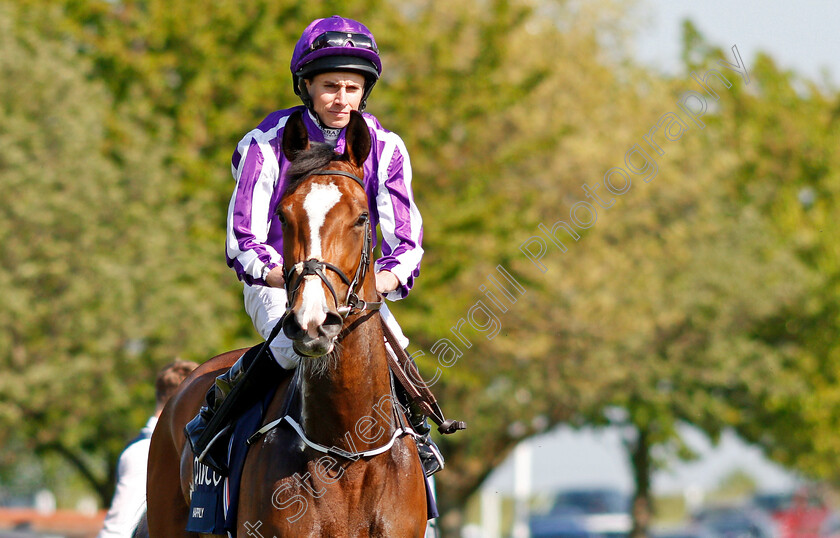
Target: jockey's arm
249 214
400 223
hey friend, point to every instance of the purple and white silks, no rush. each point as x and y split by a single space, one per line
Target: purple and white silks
254 234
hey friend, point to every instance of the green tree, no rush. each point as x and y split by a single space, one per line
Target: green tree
660 309
97 277
736 485
786 132
674 307
473 112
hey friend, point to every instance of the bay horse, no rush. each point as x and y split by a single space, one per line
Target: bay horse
290 488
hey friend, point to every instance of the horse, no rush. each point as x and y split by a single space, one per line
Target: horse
364 485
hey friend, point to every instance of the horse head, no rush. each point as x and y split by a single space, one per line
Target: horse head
326 234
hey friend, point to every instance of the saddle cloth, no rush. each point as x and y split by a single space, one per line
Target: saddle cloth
214 498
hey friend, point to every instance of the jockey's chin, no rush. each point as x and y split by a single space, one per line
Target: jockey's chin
314 347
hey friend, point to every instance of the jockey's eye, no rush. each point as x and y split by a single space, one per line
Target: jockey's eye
363 218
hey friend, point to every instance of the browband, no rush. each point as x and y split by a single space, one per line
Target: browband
354 177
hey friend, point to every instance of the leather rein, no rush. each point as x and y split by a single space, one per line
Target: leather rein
352 302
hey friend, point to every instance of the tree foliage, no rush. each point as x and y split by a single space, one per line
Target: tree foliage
788 170
96 273
706 295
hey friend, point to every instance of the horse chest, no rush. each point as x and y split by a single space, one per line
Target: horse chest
327 498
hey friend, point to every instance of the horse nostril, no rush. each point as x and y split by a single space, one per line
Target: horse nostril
291 328
331 326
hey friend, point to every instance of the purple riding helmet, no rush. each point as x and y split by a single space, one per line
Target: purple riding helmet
335 44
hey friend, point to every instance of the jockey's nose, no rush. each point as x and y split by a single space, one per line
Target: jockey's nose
341 96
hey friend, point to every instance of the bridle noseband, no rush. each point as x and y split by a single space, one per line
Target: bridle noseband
352 302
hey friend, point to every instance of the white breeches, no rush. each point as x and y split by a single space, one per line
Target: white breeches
267 305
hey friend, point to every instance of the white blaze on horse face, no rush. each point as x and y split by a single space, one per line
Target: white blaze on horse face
318 202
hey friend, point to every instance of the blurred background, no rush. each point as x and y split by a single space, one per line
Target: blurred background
675 372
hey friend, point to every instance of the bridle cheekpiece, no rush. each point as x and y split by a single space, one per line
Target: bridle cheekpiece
352 302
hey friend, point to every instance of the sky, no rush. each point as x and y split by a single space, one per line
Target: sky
803 36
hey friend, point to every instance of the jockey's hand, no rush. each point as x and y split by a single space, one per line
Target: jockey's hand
386 282
275 278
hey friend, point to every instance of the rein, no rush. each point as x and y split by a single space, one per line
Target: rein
352 302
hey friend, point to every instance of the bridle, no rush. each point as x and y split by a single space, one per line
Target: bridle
298 271
352 303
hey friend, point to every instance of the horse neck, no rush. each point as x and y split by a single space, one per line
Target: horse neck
349 406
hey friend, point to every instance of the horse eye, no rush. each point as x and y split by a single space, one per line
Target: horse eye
281 218
363 218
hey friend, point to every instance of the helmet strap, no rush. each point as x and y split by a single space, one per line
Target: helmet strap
303 92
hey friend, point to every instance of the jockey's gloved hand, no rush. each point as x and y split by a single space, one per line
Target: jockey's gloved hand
275 278
386 282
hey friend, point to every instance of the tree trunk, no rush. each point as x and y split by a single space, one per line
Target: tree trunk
642 509
104 489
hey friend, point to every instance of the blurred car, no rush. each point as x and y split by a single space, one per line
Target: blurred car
774 502
799 514
585 513
830 527
560 524
737 521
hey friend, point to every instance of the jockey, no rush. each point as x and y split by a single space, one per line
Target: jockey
334 67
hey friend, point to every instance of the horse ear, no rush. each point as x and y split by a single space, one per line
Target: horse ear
295 136
357 139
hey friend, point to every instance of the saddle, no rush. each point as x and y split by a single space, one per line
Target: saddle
214 497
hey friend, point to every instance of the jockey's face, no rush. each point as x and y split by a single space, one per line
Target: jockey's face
334 95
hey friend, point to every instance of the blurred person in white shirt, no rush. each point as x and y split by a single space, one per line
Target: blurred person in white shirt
129 502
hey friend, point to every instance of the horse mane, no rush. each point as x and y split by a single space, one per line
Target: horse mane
318 156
